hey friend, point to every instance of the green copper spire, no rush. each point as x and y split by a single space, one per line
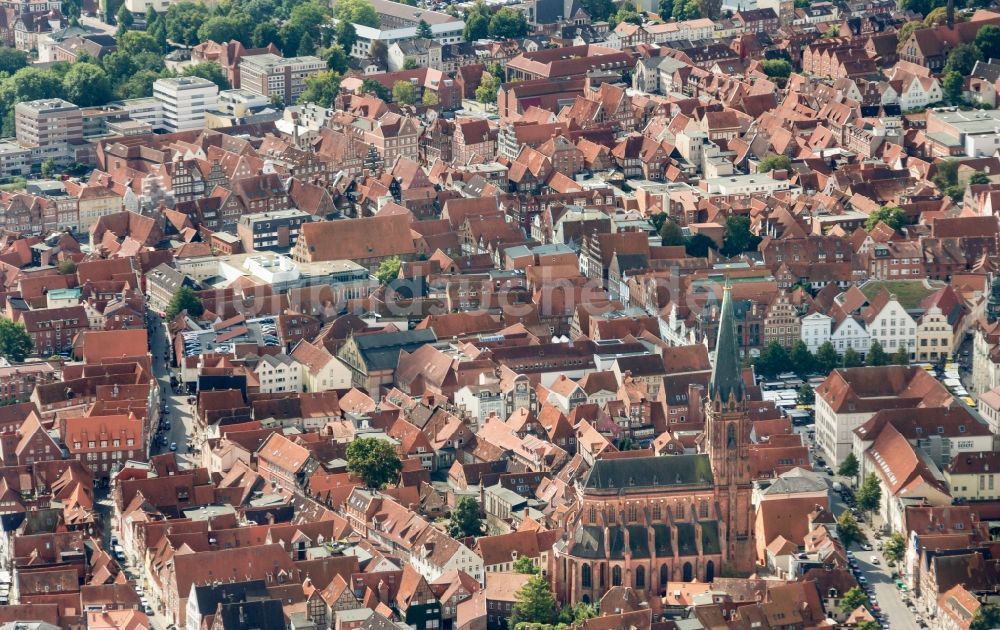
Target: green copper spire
727 373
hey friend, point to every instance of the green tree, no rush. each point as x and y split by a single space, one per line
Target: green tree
772 162
986 618
356 12
827 359
223 29
709 8
464 520
322 88
139 85
848 529
988 41
979 178
803 361
374 461
698 245
424 30
305 18
488 88
208 70
945 173
848 467
388 270
523 564
135 42
267 33
852 358
430 98
403 93
347 35
671 234
893 216
853 599
576 614
67 267
124 19
806 395
15 343
151 16
876 355
371 86
777 69
894 547
306 46
336 58
12 60
183 21
477 26
508 24
900 357
773 360
870 493
534 603
87 85
867 625
49 168
598 10
666 9
686 10
738 237
951 86
962 58
410 64
185 299
379 52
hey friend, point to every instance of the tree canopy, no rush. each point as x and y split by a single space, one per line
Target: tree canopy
15 342
508 24
848 529
12 60
465 520
207 70
848 467
183 21
986 618
87 85
322 89
853 599
184 299
373 460
738 237
772 162
523 564
356 12
489 85
894 547
979 178
403 93
534 603
424 30
988 41
388 270
870 493
876 355
893 216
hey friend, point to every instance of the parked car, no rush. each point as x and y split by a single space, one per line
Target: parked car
173 446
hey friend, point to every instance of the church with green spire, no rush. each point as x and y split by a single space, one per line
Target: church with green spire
646 521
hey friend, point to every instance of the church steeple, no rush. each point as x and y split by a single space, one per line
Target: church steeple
727 373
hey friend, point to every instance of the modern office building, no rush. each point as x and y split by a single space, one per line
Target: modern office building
185 101
274 76
51 128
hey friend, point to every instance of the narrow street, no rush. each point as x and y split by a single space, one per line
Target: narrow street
880 584
178 412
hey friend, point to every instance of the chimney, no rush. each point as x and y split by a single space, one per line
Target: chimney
950 14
